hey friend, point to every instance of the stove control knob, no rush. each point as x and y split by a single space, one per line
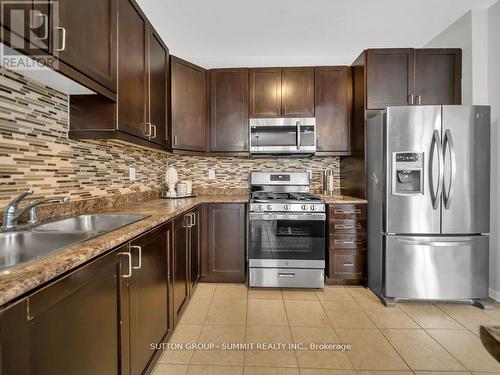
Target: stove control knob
286 207
269 207
304 207
313 207
261 207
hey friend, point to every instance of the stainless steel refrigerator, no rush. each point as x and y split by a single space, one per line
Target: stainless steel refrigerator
428 176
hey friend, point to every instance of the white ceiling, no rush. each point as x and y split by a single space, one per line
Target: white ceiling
230 33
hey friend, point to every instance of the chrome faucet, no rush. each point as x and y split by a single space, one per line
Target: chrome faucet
12 212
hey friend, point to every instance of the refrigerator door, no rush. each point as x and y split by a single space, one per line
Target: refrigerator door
441 268
466 187
414 170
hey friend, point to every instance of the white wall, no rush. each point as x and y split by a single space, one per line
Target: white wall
478 34
494 100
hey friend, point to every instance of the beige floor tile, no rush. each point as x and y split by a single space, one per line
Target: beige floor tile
370 350
469 316
214 370
306 314
385 372
420 351
429 316
266 312
346 315
195 311
183 334
268 334
322 371
218 334
231 291
265 293
259 370
334 293
169 369
467 348
227 311
360 293
319 358
205 289
387 317
443 373
494 312
485 373
300 294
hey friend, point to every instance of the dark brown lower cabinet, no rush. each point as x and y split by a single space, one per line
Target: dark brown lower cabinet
14 339
149 313
223 258
74 323
194 249
180 284
347 244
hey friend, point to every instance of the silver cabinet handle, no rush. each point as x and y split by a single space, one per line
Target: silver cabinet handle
436 145
286 275
63 37
448 143
154 133
148 129
348 264
298 135
129 256
355 212
139 249
175 139
187 221
411 99
194 219
419 99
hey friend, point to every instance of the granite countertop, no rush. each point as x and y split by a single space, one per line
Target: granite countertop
331 199
20 280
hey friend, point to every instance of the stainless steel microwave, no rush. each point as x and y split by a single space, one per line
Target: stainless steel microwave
291 136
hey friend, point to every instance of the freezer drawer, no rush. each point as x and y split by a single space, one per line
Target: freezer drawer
439 268
286 277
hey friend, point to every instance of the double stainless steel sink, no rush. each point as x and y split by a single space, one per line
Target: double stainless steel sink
23 246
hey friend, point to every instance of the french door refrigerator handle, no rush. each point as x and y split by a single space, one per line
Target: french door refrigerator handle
436 144
448 144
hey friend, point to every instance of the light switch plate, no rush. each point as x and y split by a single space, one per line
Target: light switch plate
131 174
211 174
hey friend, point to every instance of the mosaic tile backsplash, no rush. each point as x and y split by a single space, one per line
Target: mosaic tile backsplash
35 153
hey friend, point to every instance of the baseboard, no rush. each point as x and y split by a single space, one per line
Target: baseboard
494 294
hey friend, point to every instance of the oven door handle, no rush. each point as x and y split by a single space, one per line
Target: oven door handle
280 216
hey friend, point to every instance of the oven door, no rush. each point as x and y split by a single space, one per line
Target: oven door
287 240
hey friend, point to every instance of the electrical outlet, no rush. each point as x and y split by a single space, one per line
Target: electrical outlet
131 174
211 174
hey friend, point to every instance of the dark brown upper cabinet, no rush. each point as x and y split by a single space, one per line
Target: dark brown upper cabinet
333 96
229 110
281 92
389 77
189 105
86 38
438 74
265 92
297 92
412 77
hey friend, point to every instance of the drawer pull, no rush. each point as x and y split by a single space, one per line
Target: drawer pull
345 242
348 264
286 275
346 212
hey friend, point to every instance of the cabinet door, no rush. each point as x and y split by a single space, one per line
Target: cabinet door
180 285
229 110
132 70
194 250
389 78
265 92
148 295
158 88
90 38
438 76
14 340
189 113
226 242
74 323
333 86
297 92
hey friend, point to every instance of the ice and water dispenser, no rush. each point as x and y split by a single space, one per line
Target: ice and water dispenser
407 173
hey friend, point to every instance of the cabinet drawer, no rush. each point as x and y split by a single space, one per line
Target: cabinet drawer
341 226
348 211
350 242
347 264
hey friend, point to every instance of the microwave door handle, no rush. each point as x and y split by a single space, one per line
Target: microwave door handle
448 144
298 135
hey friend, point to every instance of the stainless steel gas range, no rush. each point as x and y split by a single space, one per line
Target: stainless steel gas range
287 225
